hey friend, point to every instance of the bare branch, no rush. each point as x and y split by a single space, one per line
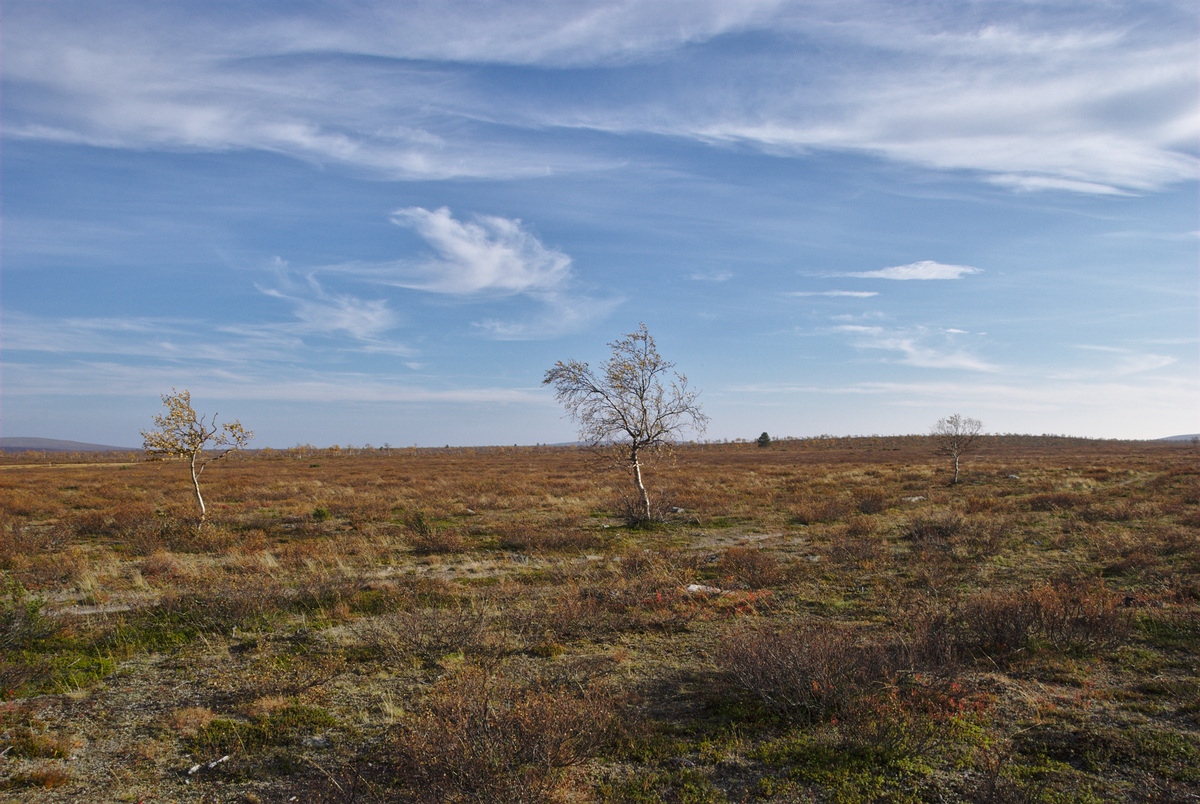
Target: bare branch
956 435
637 400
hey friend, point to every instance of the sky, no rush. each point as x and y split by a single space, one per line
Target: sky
382 223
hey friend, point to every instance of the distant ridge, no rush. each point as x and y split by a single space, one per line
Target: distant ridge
1180 437
55 445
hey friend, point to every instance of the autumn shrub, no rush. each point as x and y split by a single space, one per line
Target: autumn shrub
482 737
978 535
1056 501
285 726
814 509
249 603
429 633
19 539
23 621
806 672
48 569
859 526
645 590
30 740
190 720
22 671
361 510
563 533
636 604
913 718
162 564
751 567
25 502
870 502
629 509
1001 624
325 594
938 530
862 552
557 616
424 537
47 778
127 521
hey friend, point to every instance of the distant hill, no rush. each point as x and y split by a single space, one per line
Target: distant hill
1180 437
55 445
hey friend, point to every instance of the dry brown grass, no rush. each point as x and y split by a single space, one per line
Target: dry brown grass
824 620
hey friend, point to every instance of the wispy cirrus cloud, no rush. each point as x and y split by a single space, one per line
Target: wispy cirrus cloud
715 276
1071 98
1117 361
482 258
488 254
918 346
322 312
856 294
291 384
156 338
923 270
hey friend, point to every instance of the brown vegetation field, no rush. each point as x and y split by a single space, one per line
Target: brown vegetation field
820 620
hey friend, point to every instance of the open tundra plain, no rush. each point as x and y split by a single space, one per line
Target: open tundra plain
822 620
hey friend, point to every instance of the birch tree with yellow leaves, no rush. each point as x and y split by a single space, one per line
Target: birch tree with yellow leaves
180 432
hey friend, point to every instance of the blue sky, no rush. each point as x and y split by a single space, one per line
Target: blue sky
379 222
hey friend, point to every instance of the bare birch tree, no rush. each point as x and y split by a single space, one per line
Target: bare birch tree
955 436
181 433
637 403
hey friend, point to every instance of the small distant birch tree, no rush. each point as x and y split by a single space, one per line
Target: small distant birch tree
637 403
180 433
955 436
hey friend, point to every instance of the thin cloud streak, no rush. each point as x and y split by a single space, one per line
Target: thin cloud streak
1078 407
322 312
857 294
923 270
918 346
106 378
160 339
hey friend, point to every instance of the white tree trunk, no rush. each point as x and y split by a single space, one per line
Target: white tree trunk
637 479
196 486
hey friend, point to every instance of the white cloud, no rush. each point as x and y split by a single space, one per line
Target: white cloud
560 314
918 347
165 339
1077 98
858 294
323 312
711 276
925 269
490 254
1122 362
485 259
291 384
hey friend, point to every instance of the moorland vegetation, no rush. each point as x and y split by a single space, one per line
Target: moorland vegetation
825 620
